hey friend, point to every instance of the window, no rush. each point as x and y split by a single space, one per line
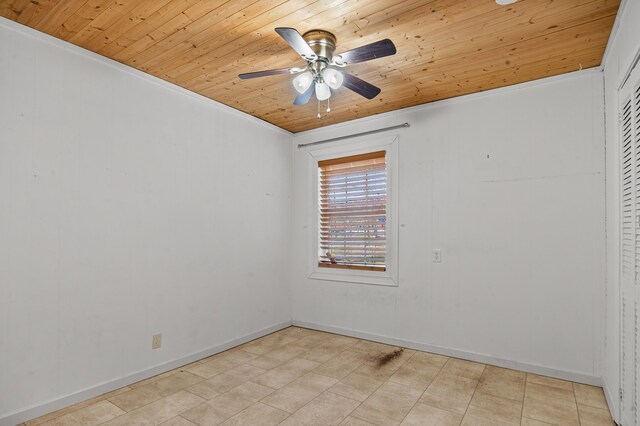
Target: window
352 199
353 211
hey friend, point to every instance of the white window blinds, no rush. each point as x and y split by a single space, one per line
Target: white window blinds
353 211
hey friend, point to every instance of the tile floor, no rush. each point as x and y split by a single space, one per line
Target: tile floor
305 377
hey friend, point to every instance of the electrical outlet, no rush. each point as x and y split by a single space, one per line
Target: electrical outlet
437 256
156 341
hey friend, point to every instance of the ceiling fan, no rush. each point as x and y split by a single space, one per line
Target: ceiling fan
321 74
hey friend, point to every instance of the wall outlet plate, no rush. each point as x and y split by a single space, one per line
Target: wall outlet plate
156 341
437 255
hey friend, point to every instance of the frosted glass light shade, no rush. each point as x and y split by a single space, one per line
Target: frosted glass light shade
333 78
302 82
322 91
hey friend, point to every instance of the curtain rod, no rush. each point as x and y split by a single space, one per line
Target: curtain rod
370 132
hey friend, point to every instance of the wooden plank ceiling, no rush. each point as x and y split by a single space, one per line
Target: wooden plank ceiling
446 48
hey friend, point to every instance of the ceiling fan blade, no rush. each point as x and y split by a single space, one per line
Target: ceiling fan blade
303 98
295 40
360 86
266 73
378 49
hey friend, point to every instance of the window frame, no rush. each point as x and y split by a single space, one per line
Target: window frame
388 277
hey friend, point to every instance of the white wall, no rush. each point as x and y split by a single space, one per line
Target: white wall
510 185
128 207
624 44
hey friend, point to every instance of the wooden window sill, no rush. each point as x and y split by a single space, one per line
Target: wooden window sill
355 267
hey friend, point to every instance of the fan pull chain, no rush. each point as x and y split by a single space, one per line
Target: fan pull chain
328 105
319 116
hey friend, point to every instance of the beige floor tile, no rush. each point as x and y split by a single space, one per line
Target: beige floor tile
257 415
234 377
138 397
237 356
327 350
424 415
388 405
342 364
213 367
288 399
159 411
539 391
460 367
494 409
429 359
204 389
251 391
276 357
154 378
296 394
590 395
531 422
178 421
550 404
353 421
176 382
385 364
450 392
267 343
59 413
592 416
356 386
549 381
373 349
299 376
327 409
502 382
341 340
217 410
418 372
223 382
143 395
311 341
285 373
94 414
471 420
295 332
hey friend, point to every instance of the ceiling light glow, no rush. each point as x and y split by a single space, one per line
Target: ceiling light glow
333 78
322 91
302 82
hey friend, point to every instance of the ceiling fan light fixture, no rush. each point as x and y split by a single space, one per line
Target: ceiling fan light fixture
322 91
320 74
302 82
333 78
505 2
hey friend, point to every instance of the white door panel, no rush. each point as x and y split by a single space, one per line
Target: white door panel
629 115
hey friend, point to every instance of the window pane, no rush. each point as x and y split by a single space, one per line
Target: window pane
353 202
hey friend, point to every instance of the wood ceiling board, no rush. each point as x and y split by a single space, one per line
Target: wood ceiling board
190 38
456 71
400 66
446 48
165 21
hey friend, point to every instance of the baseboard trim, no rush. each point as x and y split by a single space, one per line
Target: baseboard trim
32 412
612 402
472 356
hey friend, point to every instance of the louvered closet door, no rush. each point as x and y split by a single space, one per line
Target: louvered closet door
630 248
634 294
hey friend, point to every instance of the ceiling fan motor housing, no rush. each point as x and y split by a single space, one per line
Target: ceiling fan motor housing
322 42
